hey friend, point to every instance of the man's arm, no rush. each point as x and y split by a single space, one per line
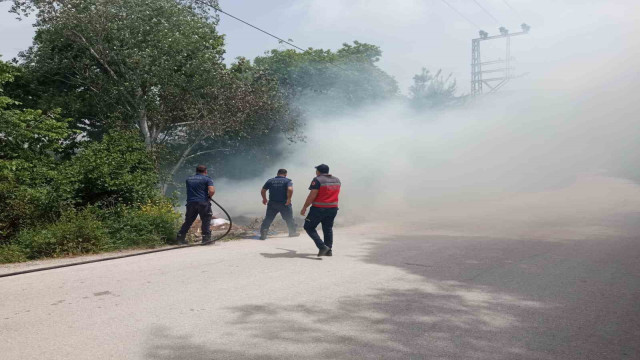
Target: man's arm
289 195
212 190
312 196
263 192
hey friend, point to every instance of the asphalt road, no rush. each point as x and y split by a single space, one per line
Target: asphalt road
384 295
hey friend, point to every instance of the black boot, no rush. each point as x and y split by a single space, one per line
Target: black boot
206 239
263 235
324 251
181 239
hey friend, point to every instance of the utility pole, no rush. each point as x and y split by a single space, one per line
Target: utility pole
501 66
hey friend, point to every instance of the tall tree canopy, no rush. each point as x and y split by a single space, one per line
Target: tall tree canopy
120 62
347 77
151 65
30 140
27 134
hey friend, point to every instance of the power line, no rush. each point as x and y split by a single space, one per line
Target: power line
487 12
512 8
257 28
270 34
461 15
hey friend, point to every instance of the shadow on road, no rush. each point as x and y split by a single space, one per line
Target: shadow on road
441 323
473 298
586 289
290 254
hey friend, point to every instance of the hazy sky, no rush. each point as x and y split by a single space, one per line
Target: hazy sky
412 33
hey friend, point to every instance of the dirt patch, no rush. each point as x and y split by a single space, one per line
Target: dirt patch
195 232
243 227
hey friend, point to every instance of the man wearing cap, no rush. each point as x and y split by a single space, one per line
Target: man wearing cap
280 192
323 199
199 189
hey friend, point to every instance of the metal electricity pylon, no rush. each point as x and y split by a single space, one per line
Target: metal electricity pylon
503 67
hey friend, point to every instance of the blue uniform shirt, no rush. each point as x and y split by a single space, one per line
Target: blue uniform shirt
277 187
197 188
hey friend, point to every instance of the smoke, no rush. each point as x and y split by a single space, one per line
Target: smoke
556 156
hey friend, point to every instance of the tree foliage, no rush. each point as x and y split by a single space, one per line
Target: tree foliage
242 108
26 133
31 142
111 63
348 77
432 90
116 170
150 65
105 197
41 179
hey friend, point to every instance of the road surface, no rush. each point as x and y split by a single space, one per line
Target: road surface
382 296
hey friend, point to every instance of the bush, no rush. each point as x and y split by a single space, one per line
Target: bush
57 196
34 191
117 170
12 253
23 206
153 224
75 233
93 230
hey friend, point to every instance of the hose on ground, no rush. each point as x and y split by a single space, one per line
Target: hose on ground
128 255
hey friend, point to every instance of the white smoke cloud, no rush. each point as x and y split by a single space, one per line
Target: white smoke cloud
556 154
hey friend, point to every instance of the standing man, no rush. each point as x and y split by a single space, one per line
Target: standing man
323 199
199 189
280 193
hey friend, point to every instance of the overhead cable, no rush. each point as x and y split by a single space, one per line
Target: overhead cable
487 12
257 28
512 9
461 15
268 33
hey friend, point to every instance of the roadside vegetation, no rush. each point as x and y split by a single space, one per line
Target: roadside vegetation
117 99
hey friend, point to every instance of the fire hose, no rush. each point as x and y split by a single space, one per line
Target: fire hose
128 255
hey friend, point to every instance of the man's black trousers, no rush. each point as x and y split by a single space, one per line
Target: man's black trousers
324 216
203 209
273 208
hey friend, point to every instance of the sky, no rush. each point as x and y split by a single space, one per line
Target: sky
411 33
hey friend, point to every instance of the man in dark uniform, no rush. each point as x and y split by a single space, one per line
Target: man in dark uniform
280 192
199 189
323 199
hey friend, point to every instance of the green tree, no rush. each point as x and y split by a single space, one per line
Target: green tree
348 77
31 142
432 90
61 197
26 133
115 170
243 108
112 63
150 65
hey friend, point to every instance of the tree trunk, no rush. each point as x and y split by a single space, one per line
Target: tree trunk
143 122
177 166
144 127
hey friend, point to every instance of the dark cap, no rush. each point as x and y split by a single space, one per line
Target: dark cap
323 169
